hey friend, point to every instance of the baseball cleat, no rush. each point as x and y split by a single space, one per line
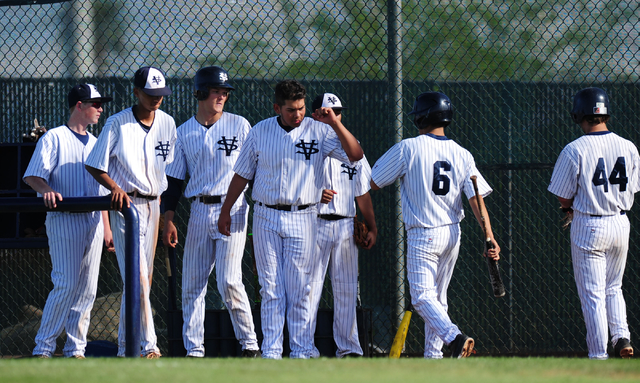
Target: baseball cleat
153 355
41 356
77 357
251 354
462 346
623 349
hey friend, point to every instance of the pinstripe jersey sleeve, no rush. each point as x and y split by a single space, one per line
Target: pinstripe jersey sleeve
389 167
99 156
178 167
564 182
332 146
364 177
247 161
44 157
483 186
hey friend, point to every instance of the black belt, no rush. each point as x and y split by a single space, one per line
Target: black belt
622 212
331 217
284 207
135 194
208 199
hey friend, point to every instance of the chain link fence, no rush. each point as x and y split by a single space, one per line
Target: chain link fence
509 67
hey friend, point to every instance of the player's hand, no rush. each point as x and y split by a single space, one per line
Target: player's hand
119 198
327 195
169 234
50 198
224 223
493 253
326 115
372 236
108 241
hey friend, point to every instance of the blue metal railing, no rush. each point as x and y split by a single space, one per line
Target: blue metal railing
132 254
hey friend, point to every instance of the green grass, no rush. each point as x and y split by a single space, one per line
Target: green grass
178 370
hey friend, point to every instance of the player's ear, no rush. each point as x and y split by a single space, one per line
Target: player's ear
277 108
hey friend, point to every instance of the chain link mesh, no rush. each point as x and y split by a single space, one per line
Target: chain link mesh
509 67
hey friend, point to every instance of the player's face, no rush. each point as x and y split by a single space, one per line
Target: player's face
217 98
146 102
292 112
91 111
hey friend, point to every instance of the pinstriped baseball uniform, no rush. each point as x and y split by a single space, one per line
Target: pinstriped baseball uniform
337 249
135 159
434 171
287 169
75 240
600 172
208 155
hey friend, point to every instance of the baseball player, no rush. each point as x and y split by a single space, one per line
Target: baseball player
129 159
207 148
433 172
284 155
336 248
595 178
56 170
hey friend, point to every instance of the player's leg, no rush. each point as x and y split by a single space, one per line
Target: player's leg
197 264
324 247
446 265
616 261
344 283
66 256
588 241
425 248
229 254
267 245
79 318
148 338
298 248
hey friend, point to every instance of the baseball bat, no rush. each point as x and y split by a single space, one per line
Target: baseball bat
494 270
401 336
170 263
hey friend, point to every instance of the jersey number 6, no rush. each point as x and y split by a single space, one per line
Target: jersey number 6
618 175
441 182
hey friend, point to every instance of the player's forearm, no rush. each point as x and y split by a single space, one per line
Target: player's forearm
38 184
169 215
366 208
565 203
479 216
349 143
102 178
236 187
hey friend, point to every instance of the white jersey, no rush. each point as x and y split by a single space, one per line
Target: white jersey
349 180
433 172
287 167
59 159
134 158
600 171
208 155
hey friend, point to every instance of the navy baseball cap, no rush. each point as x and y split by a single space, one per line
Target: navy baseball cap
327 100
151 80
84 93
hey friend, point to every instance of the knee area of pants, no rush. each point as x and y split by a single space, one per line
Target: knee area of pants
418 296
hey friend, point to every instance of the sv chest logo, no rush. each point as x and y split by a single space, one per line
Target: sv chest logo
350 171
162 149
228 144
308 148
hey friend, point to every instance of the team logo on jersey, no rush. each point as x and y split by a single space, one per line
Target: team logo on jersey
350 171
308 148
162 150
228 144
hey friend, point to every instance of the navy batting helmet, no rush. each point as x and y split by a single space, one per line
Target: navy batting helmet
210 77
589 102
432 108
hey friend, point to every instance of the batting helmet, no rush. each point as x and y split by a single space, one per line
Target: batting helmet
210 77
588 102
432 108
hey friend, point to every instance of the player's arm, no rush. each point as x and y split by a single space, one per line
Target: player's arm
236 187
366 208
118 196
41 186
171 197
374 186
327 195
565 203
108 234
349 143
495 252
